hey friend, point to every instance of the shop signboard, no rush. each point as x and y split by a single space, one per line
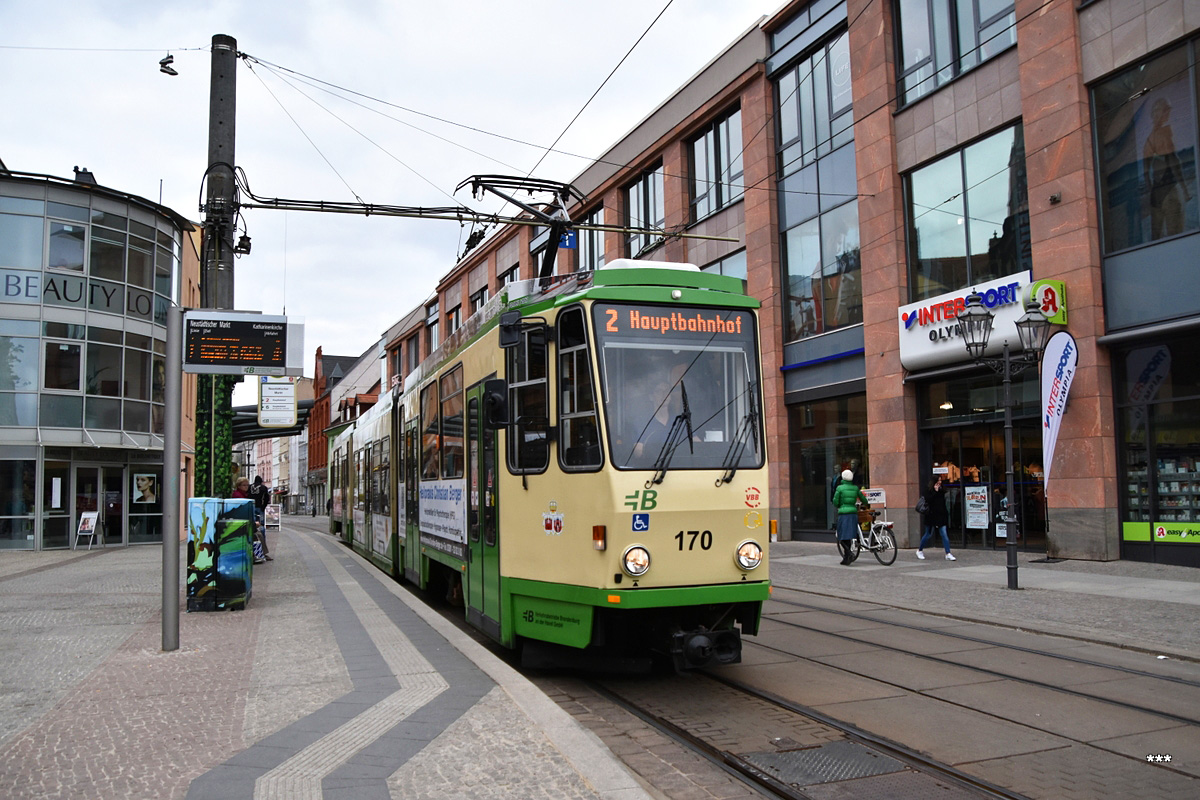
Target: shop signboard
929 331
1162 531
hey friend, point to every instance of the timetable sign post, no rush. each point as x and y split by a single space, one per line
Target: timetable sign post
276 402
241 343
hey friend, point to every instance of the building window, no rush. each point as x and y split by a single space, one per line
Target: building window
734 266
591 243
821 246
818 191
825 437
644 210
412 351
815 112
941 39
968 216
396 365
67 246
20 240
1158 403
19 372
63 365
1146 152
19 479
716 166
479 299
431 324
511 276
453 320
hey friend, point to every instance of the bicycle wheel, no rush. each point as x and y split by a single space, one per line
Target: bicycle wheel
886 554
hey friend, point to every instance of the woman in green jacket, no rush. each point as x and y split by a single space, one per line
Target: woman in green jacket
845 498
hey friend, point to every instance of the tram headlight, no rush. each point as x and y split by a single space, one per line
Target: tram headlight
749 554
635 561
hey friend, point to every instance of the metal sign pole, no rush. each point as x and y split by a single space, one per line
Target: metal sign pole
172 429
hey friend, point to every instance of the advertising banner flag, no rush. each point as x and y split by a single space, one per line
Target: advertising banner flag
1058 370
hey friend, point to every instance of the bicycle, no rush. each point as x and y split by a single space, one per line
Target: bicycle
879 539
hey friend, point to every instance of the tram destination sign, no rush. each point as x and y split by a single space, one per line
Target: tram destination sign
241 343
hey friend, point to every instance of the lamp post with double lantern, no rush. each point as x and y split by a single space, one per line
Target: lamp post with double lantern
1033 329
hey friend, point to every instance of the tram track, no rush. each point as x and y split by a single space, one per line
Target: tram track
819 752
1000 674
777 586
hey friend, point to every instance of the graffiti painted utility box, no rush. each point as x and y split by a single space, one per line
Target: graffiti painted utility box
220 561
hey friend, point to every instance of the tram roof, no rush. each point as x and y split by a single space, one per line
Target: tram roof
621 279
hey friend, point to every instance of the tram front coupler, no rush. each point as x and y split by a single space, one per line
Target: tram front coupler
706 648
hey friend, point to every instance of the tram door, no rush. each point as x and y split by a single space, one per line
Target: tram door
411 512
483 542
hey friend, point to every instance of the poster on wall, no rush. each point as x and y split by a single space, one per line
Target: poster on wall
1058 370
976 498
144 488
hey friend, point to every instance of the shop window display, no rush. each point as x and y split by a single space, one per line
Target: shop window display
1158 388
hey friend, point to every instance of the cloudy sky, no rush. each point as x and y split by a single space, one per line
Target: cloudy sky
391 101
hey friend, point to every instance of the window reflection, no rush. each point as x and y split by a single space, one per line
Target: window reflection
969 216
1146 149
66 246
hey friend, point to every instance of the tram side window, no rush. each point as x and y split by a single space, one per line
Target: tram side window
528 439
360 484
579 437
385 472
430 439
375 500
452 423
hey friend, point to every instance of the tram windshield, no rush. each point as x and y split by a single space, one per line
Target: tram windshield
681 386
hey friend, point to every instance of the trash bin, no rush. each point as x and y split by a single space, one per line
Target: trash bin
220 560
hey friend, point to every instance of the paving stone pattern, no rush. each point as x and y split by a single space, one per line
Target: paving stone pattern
327 685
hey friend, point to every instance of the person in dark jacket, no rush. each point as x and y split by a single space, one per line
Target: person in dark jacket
260 493
936 518
846 497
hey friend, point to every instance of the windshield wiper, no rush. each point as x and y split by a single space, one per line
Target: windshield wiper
682 422
747 429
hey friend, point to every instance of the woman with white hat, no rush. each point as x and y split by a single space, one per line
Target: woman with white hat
846 498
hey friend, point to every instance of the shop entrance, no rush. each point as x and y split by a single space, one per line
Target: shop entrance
101 488
972 461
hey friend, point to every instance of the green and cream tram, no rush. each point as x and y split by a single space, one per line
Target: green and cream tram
581 465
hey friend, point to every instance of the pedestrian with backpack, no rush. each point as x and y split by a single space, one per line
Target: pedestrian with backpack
936 518
260 493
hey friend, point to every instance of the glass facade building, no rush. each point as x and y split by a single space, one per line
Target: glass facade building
86 277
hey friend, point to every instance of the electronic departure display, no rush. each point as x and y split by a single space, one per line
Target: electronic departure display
235 343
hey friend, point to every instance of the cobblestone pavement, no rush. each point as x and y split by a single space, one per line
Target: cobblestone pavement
331 683
256 703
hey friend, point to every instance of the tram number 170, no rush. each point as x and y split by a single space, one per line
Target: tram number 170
690 537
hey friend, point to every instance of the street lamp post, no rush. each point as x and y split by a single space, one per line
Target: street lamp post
1033 329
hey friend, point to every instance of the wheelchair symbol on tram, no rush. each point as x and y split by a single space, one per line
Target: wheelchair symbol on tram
641 522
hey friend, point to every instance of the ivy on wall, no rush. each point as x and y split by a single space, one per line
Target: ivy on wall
214 435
